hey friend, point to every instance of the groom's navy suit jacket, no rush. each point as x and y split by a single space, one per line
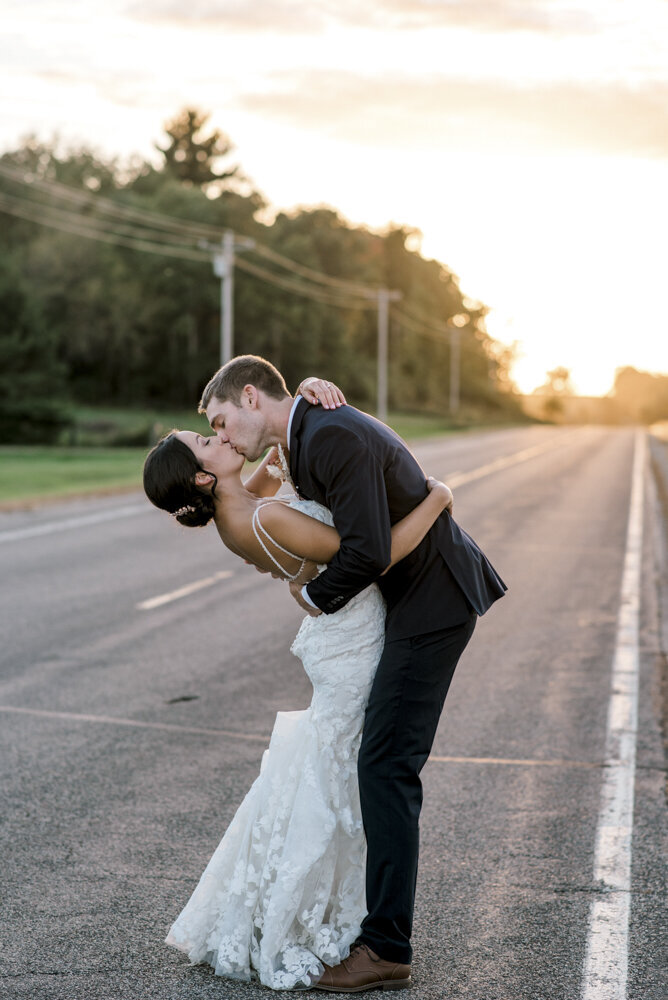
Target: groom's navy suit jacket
365 474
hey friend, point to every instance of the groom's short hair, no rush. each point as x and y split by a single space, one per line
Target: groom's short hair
247 369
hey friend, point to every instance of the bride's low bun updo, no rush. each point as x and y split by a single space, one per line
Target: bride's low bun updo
169 483
197 513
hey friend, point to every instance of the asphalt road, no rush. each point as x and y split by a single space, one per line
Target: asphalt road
129 734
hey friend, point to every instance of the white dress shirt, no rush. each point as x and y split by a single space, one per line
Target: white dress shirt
298 399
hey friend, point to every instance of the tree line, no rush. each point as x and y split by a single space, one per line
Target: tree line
108 321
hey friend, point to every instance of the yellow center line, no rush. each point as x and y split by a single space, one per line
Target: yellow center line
172 727
169 727
516 761
189 588
460 478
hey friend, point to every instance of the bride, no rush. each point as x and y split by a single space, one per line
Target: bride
283 893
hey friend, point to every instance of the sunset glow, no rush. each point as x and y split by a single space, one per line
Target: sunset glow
528 141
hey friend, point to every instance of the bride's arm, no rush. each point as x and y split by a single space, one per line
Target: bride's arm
313 540
410 530
261 482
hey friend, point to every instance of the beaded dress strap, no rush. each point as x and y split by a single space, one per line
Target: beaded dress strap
259 530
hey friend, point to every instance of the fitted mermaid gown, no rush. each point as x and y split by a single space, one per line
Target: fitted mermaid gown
284 890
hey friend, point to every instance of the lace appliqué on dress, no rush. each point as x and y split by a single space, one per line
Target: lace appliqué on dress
280 469
284 890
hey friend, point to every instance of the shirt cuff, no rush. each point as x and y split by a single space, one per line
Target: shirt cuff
307 598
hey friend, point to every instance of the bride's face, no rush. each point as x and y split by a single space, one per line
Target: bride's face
213 454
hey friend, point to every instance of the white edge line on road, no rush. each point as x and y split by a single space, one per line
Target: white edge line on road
606 956
189 588
81 521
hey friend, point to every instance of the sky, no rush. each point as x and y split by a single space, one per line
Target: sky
527 140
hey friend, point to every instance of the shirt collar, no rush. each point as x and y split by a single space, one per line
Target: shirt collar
296 403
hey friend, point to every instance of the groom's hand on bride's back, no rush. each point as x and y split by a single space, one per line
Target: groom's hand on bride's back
296 591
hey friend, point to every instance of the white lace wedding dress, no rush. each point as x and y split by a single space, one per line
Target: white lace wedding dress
284 890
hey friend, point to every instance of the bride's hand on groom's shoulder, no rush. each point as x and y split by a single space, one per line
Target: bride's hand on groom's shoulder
318 390
443 491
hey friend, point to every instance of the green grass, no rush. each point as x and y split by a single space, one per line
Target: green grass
129 427
412 427
36 473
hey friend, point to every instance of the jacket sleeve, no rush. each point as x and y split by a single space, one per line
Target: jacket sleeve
353 484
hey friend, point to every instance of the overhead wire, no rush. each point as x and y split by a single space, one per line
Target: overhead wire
89 228
165 235
110 206
307 272
200 230
13 206
299 288
103 225
435 332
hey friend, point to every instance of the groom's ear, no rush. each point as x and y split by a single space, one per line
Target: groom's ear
250 397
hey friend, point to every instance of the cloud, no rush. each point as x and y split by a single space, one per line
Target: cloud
257 16
545 16
453 114
557 17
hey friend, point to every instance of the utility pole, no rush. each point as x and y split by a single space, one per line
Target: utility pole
455 325
455 365
223 268
385 296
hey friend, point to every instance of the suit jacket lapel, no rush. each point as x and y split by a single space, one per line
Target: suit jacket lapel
293 443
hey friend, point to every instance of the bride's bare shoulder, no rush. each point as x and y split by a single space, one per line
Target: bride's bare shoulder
236 532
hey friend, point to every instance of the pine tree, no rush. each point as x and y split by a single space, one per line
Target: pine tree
191 156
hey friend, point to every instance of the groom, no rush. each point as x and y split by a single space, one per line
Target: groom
364 473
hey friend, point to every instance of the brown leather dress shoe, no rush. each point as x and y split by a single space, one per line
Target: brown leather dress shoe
364 970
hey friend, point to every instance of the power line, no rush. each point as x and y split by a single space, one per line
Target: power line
150 232
88 199
169 244
293 285
76 226
430 331
307 272
91 222
179 227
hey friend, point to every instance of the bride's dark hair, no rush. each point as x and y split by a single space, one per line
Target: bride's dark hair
169 482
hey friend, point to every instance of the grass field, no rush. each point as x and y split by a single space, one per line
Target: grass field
35 474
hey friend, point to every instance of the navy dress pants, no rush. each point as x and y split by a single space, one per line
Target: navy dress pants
400 724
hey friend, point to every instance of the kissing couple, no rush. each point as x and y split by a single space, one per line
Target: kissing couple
313 883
